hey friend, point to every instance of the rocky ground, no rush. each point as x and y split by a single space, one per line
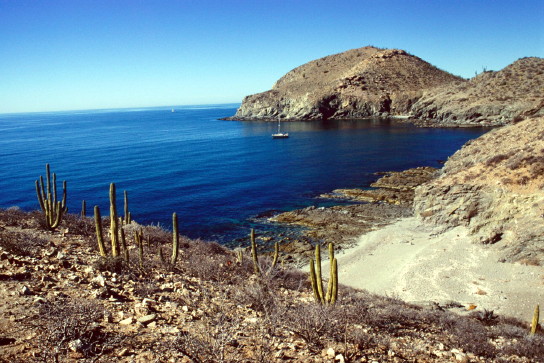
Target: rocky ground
389 199
62 302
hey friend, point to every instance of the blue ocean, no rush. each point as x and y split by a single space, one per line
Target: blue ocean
219 176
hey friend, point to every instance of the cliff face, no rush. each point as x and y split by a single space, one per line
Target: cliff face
495 186
358 83
490 98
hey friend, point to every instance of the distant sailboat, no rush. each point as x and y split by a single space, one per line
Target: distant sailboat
280 135
173 110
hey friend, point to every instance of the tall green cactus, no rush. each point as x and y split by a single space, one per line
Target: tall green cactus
113 223
127 218
175 239
534 323
316 280
52 208
98 225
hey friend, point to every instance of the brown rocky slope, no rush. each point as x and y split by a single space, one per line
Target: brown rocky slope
374 82
62 302
357 83
490 98
495 186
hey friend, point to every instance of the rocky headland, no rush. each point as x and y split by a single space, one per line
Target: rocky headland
374 82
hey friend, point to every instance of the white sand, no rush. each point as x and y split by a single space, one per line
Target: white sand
417 263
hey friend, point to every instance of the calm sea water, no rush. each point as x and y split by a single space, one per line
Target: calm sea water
217 175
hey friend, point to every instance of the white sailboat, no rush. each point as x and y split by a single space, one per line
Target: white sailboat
280 135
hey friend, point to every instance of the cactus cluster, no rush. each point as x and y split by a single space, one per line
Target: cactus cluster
316 279
117 234
52 208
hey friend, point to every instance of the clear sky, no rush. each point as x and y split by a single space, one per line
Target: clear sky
86 54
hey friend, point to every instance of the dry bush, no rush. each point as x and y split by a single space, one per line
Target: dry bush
81 226
16 217
71 326
212 339
314 323
22 244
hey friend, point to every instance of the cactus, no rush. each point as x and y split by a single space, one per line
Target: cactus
114 223
83 208
534 323
316 280
319 279
175 239
50 206
331 273
98 224
128 217
240 256
334 278
256 267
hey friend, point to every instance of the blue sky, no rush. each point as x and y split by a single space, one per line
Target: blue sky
77 54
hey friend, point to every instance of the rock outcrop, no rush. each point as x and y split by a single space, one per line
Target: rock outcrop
495 186
489 99
354 84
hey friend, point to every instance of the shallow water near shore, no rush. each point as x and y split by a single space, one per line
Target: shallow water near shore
217 175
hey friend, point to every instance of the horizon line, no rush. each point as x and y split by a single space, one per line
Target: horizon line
122 108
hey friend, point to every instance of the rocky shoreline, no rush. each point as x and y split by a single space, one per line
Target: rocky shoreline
389 199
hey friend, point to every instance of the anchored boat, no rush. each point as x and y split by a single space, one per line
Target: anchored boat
280 135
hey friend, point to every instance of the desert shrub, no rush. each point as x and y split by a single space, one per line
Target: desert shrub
71 325
111 264
211 340
146 288
16 217
259 296
22 244
468 334
314 323
82 226
530 346
496 159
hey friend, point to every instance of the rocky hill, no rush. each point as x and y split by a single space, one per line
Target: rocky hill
374 82
490 98
357 83
495 186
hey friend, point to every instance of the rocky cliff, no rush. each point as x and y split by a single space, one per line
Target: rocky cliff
495 186
374 82
490 98
357 83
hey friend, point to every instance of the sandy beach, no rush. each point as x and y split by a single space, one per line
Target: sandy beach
418 263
